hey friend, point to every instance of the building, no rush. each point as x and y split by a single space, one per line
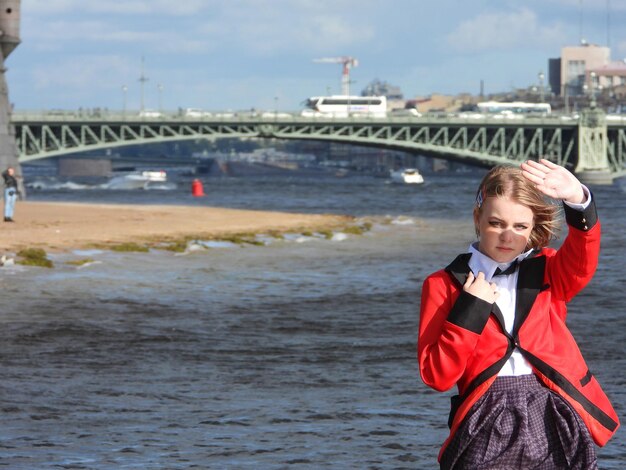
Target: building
380 88
610 75
576 63
440 103
395 97
554 76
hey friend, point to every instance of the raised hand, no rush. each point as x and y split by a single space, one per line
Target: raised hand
554 180
479 287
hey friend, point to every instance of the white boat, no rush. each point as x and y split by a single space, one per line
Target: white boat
137 180
407 175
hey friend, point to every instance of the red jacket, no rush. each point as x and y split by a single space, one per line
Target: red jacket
463 341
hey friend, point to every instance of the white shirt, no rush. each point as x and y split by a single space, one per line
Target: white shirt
516 364
479 262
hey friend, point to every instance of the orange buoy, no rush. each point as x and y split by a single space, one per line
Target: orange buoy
196 188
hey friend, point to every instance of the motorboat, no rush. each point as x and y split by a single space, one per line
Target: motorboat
407 175
136 180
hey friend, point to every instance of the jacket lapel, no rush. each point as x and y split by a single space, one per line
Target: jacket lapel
529 284
459 269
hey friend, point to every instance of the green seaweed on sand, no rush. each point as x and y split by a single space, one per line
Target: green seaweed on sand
240 239
178 246
130 247
34 257
327 234
79 262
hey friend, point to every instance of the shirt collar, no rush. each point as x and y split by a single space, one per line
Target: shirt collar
481 262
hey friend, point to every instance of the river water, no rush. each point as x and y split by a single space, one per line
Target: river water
298 354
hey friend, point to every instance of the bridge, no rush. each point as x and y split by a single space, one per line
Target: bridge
591 145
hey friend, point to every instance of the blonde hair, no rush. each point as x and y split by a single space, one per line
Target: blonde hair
508 181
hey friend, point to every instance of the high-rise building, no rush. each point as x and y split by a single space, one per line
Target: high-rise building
577 62
554 75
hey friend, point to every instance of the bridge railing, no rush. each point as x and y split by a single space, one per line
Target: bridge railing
131 116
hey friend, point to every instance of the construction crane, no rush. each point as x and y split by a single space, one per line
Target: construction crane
347 63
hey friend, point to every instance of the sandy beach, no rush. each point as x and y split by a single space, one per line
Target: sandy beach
65 226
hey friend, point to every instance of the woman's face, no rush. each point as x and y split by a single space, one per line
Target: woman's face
504 227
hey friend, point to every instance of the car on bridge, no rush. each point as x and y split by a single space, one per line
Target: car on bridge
150 113
410 112
196 113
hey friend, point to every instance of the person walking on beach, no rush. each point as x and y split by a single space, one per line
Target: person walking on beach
10 193
493 324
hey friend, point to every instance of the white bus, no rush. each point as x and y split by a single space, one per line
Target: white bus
344 106
514 107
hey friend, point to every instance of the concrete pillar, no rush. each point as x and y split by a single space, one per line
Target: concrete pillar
9 39
593 160
8 146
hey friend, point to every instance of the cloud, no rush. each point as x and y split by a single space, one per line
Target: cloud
78 82
504 30
80 72
315 34
615 5
256 28
265 27
186 7
59 35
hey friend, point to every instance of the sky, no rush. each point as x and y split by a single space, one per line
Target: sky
243 54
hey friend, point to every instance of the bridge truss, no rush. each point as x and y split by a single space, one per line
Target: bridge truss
484 142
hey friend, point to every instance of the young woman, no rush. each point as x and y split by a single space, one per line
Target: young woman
493 324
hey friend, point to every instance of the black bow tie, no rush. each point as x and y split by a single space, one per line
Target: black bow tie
510 270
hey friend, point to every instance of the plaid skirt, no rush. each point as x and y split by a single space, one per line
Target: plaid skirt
520 424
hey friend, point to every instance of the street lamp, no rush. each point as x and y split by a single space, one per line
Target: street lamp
124 90
160 89
348 83
592 88
541 89
142 79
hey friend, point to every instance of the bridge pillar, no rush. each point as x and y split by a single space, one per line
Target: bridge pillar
593 161
267 131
